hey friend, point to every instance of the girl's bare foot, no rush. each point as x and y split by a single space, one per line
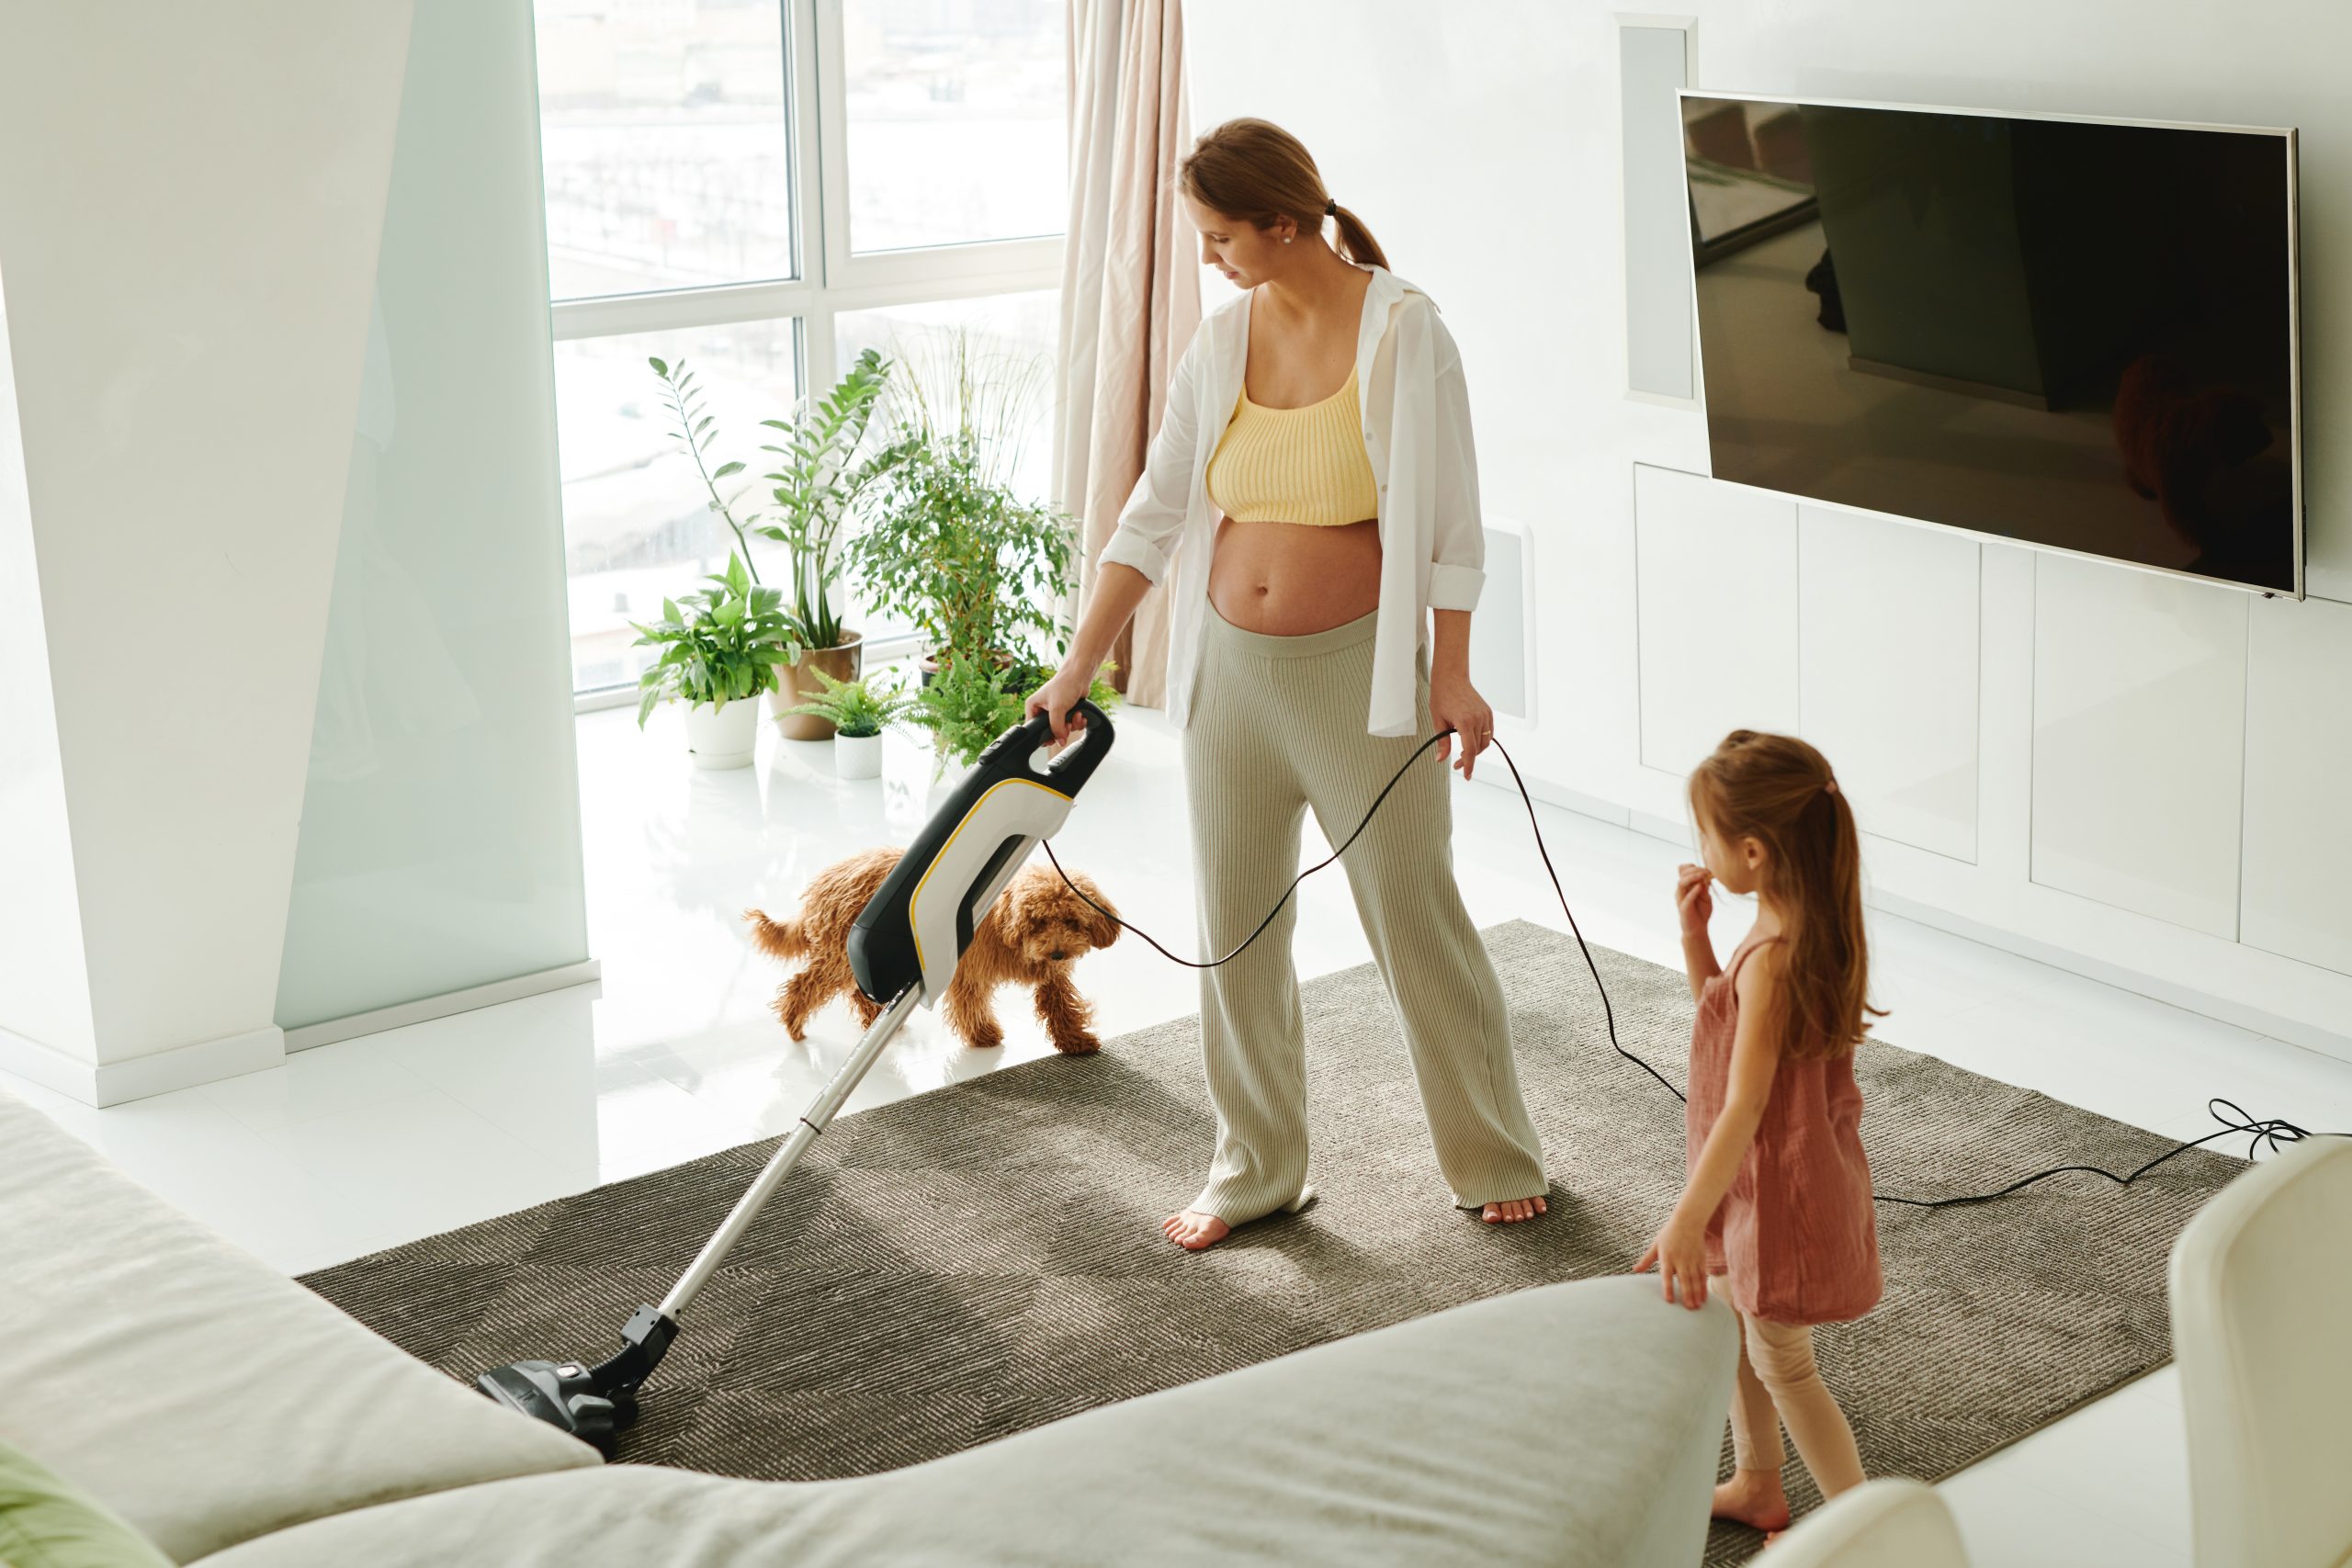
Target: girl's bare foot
1193 1230
1510 1211
1754 1498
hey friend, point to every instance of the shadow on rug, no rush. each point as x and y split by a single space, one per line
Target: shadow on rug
977 1260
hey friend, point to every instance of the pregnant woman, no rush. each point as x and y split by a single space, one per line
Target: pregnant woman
1312 486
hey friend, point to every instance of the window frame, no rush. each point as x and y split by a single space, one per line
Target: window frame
830 279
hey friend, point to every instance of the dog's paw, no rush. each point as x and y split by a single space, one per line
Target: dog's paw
1078 1045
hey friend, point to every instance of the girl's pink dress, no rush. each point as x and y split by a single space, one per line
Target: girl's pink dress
1796 1232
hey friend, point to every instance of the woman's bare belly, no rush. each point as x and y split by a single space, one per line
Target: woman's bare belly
1286 580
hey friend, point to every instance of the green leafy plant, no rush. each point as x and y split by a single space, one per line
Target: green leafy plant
718 645
973 700
855 708
822 486
952 547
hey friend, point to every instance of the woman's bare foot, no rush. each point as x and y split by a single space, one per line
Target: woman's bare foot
1510 1211
1754 1498
1195 1230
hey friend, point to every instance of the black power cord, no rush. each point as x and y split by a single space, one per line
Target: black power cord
2273 1131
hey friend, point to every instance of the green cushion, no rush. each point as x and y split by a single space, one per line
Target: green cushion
47 1523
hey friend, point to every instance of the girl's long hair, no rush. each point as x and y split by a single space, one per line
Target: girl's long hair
1254 170
1778 791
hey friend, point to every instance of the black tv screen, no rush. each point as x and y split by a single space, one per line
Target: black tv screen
2075 334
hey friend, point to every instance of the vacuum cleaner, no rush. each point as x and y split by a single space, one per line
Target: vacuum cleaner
903 951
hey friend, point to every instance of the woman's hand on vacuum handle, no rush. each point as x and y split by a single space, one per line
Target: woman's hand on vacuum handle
1056 697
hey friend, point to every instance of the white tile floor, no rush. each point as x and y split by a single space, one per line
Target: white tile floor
363 1144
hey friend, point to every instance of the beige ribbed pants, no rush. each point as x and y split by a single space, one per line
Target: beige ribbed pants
1277 727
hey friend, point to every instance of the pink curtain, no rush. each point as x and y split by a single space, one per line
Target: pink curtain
1131 290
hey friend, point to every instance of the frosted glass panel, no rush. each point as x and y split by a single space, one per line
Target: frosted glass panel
440 836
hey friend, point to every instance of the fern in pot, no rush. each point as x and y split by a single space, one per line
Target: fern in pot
970 702
719 651
858 712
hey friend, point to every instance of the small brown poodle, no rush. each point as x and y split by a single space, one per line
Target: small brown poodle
1033 933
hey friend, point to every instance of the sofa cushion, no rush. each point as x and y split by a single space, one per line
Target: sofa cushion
1574 1423
46 1522
198 1392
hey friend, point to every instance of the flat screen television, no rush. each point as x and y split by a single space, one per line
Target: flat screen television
2073 333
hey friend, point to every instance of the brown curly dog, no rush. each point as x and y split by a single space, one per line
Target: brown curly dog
1033 933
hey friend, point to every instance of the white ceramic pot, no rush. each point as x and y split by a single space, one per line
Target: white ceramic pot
723 737
857 756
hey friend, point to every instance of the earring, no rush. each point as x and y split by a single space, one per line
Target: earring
1286 239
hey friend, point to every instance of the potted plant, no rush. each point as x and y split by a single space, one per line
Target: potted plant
971 701
719 650
858 713
822 485
952 547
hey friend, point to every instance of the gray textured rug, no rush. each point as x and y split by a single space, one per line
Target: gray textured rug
985 1257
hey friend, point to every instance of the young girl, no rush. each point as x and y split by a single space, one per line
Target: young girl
1778 1200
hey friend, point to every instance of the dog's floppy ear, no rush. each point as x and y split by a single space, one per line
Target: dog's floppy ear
1100 930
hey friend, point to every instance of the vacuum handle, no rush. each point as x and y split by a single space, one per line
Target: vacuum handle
1070 769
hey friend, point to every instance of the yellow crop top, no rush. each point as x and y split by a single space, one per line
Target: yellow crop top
1305 465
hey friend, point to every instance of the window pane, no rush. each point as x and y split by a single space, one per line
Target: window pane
1008 345
958 121
666 144
636 523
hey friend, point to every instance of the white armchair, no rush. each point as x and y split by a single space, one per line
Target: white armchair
2261 1289
1886 1523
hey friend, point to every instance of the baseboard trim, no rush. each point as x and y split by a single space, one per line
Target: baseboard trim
159 1072
588 971
2188 999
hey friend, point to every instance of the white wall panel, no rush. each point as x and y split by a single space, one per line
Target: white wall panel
1888 663
1717 580
2139 727
2298 781
1652 63
191 203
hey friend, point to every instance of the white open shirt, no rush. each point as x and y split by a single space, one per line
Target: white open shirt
1417 433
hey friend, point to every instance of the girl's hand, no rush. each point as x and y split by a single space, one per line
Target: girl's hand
1455 704
1681 1253
1056 697
1693 900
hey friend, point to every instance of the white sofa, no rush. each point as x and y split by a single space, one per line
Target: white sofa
241 1422
2261 1286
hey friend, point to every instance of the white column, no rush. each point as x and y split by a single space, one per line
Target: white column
191 202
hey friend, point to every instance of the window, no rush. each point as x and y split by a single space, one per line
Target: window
637 523
957 122
763 190
667 150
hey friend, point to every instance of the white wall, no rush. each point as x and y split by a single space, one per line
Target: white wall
1482 145
191 199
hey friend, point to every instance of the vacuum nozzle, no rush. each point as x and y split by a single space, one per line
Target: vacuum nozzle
591 1403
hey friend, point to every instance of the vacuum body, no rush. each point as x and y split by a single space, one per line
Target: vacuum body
903 950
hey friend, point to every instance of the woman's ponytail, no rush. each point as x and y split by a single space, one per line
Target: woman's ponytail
1356 243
